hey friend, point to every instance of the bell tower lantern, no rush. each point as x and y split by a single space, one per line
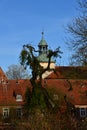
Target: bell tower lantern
43 47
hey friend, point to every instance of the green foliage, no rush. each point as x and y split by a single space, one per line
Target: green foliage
29 59
27 97
34 99
39 97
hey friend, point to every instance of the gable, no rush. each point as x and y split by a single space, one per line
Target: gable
2 75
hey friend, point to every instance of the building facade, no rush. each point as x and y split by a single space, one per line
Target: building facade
70 81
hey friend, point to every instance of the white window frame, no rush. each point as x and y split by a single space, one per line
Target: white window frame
5 112
82 112
19 98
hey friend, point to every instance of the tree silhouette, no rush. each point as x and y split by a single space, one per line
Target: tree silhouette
28 58
78 35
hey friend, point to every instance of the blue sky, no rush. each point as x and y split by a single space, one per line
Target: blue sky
22 21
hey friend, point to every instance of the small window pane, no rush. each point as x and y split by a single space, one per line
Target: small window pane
19 112
83 112
5 112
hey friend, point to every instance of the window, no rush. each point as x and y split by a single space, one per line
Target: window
19 112
55 97
5 112
83 112
18 98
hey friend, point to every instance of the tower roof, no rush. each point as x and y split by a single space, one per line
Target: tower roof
44 58
43 50
42 42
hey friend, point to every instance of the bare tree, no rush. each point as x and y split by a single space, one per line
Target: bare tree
78 35
17 72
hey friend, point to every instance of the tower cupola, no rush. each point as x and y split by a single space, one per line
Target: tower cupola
43 56
43 47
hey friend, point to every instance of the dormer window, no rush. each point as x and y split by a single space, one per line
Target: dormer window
18 98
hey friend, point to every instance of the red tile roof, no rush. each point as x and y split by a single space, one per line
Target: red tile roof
9 89
69 72
77 95
74 89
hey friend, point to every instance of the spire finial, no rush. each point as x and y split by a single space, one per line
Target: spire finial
42 35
